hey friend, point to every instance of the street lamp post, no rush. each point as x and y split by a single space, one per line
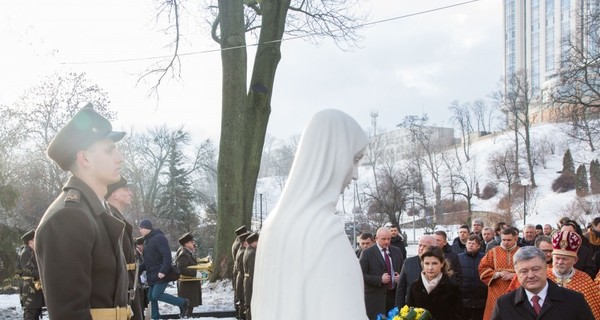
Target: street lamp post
525 183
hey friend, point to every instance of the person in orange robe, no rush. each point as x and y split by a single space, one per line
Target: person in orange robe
496 268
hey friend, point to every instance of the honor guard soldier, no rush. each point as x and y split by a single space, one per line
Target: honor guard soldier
32 298
238 294
249 257
118 197
78 241
234 249
189 285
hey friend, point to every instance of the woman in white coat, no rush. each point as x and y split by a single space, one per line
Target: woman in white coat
305 267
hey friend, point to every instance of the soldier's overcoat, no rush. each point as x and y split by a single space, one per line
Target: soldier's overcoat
79 254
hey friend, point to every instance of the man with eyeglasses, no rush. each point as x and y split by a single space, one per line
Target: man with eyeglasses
538 298
544 243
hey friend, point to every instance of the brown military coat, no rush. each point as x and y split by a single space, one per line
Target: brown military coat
191 290
79 254
249 256
31 296
130 260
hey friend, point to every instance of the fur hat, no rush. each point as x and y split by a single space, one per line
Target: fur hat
242 237
252 237
146 224
113 187
139 240
187 237
240 230
29 235
566 243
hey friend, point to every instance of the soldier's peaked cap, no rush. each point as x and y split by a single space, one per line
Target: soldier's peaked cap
252 237
86 127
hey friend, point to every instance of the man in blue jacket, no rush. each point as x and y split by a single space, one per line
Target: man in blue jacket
157 263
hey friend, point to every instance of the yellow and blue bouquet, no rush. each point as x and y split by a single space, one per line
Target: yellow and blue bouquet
406 313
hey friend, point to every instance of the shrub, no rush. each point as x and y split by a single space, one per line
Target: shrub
565 182
489 191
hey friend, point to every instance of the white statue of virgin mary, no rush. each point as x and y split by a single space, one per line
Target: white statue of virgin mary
305 266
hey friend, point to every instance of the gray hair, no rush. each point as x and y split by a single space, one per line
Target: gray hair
477 221
488 228
542 239
528 226
527 253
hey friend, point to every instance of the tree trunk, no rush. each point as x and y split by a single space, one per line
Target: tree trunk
245 115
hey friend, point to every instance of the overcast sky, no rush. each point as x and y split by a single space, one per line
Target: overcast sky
413 65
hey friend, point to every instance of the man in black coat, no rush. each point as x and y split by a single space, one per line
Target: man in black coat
474 291
538 298
397 240
380 265
450 255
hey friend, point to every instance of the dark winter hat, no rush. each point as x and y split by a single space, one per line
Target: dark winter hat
86 127
187 237
539 227
242 237
146 224
252 237
139 240
113 187
240 230
29 235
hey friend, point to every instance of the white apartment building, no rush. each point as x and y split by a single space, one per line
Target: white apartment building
535 34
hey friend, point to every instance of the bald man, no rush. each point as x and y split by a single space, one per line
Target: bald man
411 270
380 266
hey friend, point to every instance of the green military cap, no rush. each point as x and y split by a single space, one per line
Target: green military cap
252 237
187 237
86 127
29 235
112 187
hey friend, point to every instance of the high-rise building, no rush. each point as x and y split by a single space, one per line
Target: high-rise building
536 34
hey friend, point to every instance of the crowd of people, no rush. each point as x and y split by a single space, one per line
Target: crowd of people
487 273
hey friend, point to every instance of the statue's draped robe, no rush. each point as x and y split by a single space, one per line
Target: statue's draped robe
305 267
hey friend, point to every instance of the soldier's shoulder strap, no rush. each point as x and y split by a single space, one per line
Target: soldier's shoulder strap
73 198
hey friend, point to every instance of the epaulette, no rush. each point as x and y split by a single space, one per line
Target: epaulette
73 195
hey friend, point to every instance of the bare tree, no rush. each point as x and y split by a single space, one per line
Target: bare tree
426 151
517 103
246 106
461 116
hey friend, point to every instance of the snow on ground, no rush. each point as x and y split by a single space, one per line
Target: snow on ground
216 296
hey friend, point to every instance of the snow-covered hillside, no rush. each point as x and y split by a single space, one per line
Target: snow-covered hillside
543 205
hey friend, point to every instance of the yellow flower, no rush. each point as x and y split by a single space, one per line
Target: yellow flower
404 311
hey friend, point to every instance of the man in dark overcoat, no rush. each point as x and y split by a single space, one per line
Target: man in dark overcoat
78 241
537 297
249 257
31 296
118 197
380 283
189 285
